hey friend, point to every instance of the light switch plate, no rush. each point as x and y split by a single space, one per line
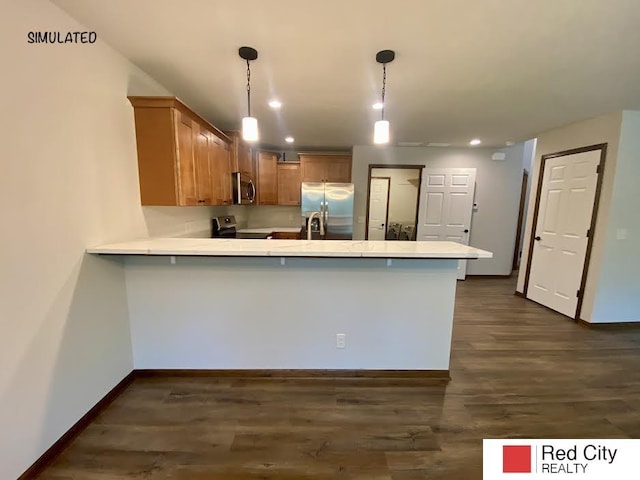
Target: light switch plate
622 234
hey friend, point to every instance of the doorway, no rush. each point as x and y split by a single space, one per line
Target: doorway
398 219
447 207
563 225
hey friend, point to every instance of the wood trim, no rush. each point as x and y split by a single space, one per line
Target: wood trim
174 102
603 148
614 325
320 153
415 233
65 440
523 194
592 229
400 165
296 373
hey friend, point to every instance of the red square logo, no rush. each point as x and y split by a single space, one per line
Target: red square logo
516 458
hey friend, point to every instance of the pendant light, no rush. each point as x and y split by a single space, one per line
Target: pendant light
381 127
249 123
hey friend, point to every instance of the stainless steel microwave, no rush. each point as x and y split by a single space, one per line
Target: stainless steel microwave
244 191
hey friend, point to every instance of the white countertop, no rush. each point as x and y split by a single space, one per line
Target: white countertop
270 230
216 247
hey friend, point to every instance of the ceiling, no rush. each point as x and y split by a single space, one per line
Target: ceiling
499 70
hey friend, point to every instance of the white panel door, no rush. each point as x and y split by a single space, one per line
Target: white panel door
564 217
378 208
446 207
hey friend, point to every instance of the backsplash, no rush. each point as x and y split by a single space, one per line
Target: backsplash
192 222
271 216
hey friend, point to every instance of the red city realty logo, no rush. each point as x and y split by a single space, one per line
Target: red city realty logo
516 459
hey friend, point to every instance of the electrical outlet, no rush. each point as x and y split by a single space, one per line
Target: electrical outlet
341 340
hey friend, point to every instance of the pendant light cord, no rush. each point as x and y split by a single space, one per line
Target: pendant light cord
384 84
248 89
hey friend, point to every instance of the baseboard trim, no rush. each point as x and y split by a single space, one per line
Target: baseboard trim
633 325
295 373
65 440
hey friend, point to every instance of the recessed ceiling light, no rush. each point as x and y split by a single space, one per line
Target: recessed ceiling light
275 103
377 106
509 143
475 141
289 139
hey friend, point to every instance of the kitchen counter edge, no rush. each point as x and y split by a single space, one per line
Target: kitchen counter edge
292 248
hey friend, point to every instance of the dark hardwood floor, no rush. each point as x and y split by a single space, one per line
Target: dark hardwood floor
518 370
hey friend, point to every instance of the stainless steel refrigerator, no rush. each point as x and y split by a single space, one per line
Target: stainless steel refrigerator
331 205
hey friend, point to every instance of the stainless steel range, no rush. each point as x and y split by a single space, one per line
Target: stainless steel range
227 227
223 227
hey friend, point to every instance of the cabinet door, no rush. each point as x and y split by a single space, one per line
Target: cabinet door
245 162
288 184
338 169
312 169
204 180
240 152
267 178
186 162
221 171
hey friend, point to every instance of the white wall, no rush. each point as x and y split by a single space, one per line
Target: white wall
618 290
493 226
254 313
69 180
403 193
603 129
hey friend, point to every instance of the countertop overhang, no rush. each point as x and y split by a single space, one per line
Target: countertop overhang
213 247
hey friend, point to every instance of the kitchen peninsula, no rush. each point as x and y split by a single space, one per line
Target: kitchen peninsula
290 304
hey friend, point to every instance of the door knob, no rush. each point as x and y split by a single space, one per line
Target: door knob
382 224
537 239
466 230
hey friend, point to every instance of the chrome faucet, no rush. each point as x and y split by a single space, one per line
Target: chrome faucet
310 219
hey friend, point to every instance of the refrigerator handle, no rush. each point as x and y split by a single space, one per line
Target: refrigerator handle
326 214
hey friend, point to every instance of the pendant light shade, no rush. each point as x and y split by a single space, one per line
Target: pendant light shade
250 129
381 132
249 123
381 127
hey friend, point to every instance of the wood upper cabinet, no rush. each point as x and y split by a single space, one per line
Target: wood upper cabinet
267 187
220 152
182 159
325 168
288 183
241 155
